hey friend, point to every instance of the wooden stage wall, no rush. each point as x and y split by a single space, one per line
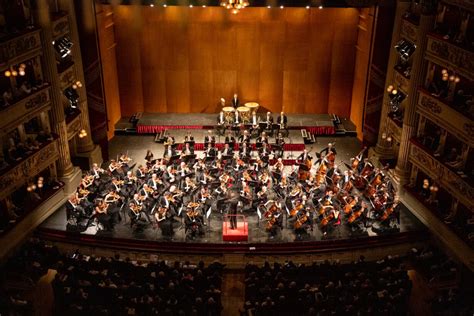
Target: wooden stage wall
180 59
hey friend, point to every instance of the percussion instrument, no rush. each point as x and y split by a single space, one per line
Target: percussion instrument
252 106
228 114
244 113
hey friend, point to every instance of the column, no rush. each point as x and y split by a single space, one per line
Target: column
58 124
383 149
418 73
85 146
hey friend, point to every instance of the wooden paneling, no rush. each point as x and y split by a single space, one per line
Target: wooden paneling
179 59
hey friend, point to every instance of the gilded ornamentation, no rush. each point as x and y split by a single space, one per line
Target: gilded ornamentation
430 104
19 46
67 78
61 27
469 128
409 31
16 177
447 178
73 127
460 58
37 100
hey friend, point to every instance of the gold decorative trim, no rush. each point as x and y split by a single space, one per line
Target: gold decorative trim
448 179
460 60
16 177
25 109
20 47
445 116
409 31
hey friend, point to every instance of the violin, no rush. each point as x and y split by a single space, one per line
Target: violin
136 209
161 214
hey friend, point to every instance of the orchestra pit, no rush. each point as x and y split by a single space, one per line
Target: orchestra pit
236 157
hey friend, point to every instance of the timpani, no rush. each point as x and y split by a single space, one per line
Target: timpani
252 106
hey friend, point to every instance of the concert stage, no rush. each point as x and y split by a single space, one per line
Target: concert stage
152 123
340 237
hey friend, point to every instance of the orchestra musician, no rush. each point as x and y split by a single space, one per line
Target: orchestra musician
263 138
282 120
304 156
279 145
235 101
209 138
244 138
187 150
255 121
169 151
244 151
227 150
149 155
269 121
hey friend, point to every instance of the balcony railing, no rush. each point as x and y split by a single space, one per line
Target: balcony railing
409 30
27 168
20 48
394 129
26 108
60 26
449 55
451 181
450 119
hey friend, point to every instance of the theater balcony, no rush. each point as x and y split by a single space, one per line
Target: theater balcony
16 175
26 108
447 117
20 46
446 53
457 184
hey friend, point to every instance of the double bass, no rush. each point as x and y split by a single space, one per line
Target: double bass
388 212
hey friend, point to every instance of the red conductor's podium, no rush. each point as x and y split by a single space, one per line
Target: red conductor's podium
241 233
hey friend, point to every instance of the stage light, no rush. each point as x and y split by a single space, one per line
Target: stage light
14 73
394 91
164 5
269 6
190 5
457 79
281 7
8 73
307 7
451 78
152 5
444 71
389 88
204 6
320 7
389 138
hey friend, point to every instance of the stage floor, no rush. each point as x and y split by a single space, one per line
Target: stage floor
136 147
204 119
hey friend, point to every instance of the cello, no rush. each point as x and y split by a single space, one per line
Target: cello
357 214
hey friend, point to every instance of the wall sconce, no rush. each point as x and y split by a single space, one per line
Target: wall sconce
16 71
82 133
451 77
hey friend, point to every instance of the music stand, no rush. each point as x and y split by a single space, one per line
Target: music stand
208 217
